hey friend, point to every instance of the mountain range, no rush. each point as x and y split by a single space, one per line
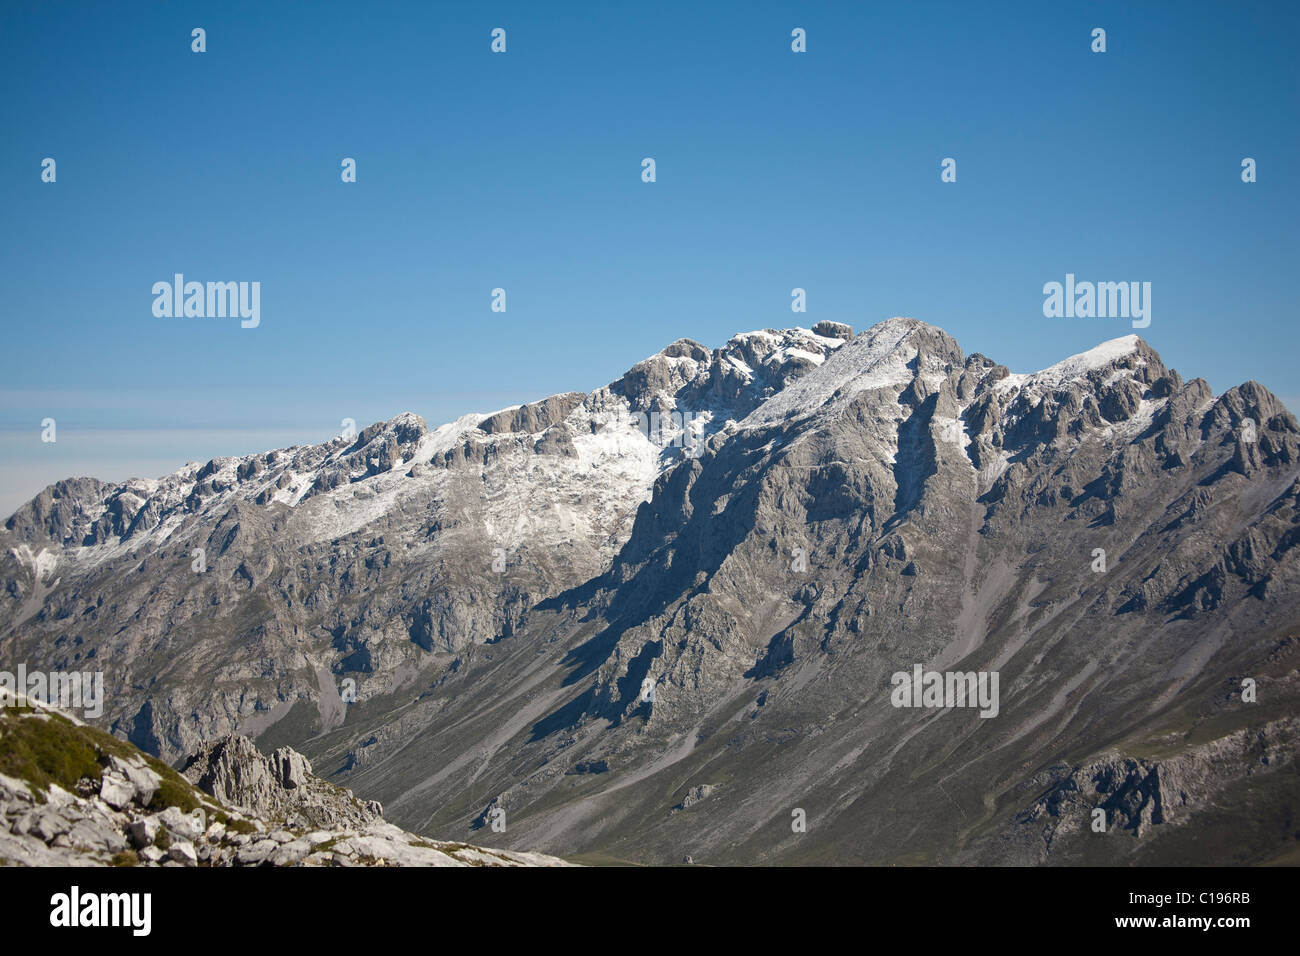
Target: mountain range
663 620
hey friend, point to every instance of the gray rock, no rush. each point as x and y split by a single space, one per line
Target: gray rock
143 832
290 768
90 834
116 790
152 854
281 785
183 853
289 853
142 778
180 825
70 830
835 330
42 823
254 854
695 795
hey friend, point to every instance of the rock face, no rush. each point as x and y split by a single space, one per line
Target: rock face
280 786
712 569
1129 797
694 796
118 809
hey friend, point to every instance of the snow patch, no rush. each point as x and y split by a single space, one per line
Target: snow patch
1077 366
43 563
877 360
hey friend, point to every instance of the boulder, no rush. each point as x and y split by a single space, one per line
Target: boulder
143 832
144 781
116 790
179 825
151 854
183 853
257 853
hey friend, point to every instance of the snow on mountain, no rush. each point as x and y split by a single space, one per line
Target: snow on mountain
580 476
876 359
1076 366
599 461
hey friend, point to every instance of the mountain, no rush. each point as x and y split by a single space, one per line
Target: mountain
663 619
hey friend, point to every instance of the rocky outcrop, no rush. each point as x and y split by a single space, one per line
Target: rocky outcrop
695 795
534 417
1131 796
280 786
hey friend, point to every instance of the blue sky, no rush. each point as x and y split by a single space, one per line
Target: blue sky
523 171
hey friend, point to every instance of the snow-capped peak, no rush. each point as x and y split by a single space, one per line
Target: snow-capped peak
1076 366
878 358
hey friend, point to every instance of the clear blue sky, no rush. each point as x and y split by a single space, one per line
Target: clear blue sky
775 170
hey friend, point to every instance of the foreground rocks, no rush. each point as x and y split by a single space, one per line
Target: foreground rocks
271 811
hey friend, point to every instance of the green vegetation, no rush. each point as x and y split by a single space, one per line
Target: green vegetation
174 793
43 747
452 849
42 751
125 858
